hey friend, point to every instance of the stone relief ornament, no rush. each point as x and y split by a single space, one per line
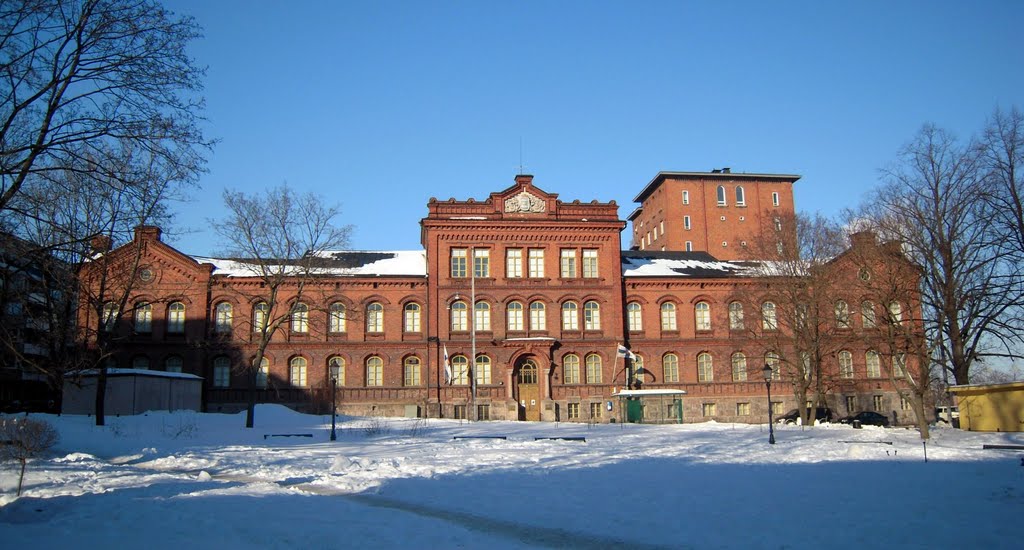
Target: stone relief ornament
524 202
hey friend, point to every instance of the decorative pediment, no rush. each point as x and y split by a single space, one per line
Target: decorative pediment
524 202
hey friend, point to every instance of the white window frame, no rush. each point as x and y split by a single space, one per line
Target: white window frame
590 263
536 263
570 316
297 370
571 369
459 258
412 317
514 263
481 262
591 315
374 372
538 316
567 263
634 317
705 367
670 367
223 318
337 317
514 316
702 316
375 318
668 316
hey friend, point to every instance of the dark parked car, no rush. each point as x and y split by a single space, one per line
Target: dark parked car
867 418
822 414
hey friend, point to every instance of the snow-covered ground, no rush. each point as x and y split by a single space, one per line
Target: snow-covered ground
191 481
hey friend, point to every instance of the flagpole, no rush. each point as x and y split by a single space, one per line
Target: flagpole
472 336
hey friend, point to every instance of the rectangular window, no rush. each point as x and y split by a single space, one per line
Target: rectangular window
661 227
590 264
221 376
568 263
689 246
572 411
851 403
742 409
777 407
686 223
876 403
458 262
904 404
775 199
481 262
536 261
483 412
595 411
514 263
708 409
686 197
460 412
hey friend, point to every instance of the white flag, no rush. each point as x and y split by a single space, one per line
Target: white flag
447 367
622 351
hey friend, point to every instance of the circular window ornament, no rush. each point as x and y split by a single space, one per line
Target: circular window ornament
865 274
146 274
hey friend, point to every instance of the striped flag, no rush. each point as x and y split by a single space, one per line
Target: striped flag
447 367
623 351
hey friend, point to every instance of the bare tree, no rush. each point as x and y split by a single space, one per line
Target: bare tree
79 75
76 217
279 237
933 202
798 302
25 439
1002 150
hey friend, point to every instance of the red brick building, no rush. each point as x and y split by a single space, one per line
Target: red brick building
537 289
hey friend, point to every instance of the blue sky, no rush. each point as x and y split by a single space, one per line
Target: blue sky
379 106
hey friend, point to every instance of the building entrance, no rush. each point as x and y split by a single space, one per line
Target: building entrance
527 391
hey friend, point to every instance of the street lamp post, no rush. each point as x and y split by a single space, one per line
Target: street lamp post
335 373
768 371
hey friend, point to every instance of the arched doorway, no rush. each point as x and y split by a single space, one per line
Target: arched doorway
527 390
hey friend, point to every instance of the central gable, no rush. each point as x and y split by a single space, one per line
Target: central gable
523 201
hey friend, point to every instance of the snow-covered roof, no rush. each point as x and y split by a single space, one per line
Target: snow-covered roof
337 263
647 393
679 264
139 372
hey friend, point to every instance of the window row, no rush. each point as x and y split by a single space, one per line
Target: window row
769 315
573 263
516 316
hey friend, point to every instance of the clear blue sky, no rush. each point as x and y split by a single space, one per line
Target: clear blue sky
379 106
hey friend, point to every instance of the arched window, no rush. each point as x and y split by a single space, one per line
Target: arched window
482 316
336 317
842 311
300 318
571 369
771 359
845 364
867 313
297 372
176 318
460 370
483 370
592 316
895 313
735 316
374 371
375 317
173 364
140 362
411 375
720 192
593 368
874 364
538 316
223 318
741 199
634 317
143 317
460 316
514 316
412 317
109 316
338 362
768 319
570 316
670 367
668 316
739 367
705 368
702 313
528 372
221 372
260 317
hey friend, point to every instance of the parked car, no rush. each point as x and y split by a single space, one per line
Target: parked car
945 414
822 414
866 418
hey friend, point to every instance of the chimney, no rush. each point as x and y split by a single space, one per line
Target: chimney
524 179
101 244
726 170
147 233
863 238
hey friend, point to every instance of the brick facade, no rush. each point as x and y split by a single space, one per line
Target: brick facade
519 252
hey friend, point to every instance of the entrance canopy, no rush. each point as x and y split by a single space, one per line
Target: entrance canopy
651 406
